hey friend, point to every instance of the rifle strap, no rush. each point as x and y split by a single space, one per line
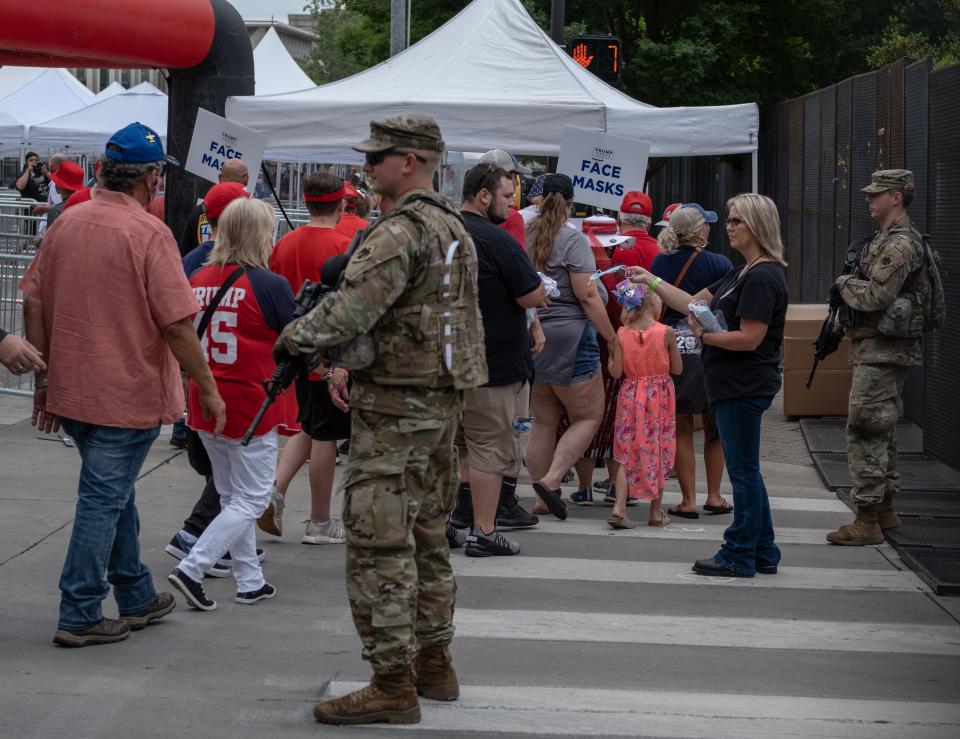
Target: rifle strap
208 313
683 273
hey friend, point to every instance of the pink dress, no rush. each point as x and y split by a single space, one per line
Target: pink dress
645 431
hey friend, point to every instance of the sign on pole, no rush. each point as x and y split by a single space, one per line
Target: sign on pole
216 141
602 55
603 167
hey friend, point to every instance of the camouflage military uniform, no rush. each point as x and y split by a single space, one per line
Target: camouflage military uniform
889 267
401 480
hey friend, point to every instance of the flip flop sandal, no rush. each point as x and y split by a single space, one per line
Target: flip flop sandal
620 522
552 500
718 509
662 523
675 511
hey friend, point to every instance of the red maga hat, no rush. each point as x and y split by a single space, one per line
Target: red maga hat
69 176
637 202
220 196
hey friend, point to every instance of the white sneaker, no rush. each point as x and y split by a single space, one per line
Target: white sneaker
271 520
329 532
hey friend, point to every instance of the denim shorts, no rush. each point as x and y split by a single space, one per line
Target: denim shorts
587 362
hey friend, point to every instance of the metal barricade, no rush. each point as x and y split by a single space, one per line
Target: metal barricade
18 226
12 269
298 217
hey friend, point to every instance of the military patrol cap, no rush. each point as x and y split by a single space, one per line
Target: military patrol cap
890 179
409 130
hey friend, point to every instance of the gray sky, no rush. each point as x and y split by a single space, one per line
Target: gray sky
261 9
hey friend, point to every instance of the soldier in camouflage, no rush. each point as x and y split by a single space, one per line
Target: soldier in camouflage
410 291
883 306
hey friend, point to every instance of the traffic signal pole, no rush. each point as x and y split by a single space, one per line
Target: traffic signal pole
558 9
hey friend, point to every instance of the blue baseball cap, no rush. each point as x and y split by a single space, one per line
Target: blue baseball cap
708 215
137 144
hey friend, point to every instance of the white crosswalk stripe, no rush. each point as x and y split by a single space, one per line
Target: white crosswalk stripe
519 710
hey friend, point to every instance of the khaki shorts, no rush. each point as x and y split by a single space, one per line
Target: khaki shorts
488 432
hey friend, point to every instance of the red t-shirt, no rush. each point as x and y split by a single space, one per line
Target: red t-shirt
300 255
238 345
80 196
640 254
515 226
350 224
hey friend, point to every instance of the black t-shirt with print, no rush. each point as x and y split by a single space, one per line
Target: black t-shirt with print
504 274
760 295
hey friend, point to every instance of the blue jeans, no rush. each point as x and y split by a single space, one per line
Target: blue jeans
106 528
748 541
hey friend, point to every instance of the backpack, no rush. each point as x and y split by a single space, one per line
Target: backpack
935 309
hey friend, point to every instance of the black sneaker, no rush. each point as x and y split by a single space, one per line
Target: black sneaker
227 561
191 590
494 545
513 516
462 516
105 631
179 435
456 538
255 596
179 549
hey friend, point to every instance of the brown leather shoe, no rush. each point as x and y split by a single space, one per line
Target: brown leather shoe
163 604
390 699
887 518
105 631
862 532
434 675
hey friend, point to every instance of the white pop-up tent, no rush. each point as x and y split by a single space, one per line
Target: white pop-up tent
86 131
12 135
114 88
492 79
274 70
13 78
52 93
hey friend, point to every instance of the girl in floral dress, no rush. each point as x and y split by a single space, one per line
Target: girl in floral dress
645 431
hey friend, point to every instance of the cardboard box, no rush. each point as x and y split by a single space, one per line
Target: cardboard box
805 319
828 396
798 355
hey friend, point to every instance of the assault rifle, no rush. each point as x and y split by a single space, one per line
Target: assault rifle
287 369
827 341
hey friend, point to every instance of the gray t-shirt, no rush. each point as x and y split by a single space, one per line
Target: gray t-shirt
571 253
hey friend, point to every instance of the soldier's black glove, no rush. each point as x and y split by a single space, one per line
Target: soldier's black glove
831 344
836 299
280 352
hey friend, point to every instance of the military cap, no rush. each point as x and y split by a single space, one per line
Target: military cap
890 179
410 130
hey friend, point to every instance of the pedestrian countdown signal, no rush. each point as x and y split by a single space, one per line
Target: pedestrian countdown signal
602 55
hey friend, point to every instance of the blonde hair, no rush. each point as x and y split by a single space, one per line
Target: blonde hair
760 215
682 230
554 211
650 299
244 234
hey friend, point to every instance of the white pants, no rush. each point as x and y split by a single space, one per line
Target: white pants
243 476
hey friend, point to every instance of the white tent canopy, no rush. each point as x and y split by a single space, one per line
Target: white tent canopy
465 75
86 131
13 78
12 135
52 93
274 70
114 88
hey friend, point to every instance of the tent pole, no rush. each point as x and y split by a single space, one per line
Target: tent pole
754 170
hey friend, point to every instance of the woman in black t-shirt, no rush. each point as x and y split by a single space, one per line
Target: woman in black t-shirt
742 371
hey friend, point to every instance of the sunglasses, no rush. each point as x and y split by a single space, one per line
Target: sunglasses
733 222
375 158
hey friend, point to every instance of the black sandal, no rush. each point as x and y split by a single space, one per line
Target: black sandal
552 500
675 511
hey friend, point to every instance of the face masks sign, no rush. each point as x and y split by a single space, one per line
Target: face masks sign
603 167
216 141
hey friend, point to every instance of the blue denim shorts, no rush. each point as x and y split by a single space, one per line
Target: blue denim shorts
587 362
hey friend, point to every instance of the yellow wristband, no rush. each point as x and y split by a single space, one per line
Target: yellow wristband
655 284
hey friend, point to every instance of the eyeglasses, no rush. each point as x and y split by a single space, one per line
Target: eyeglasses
733 222
160 168
375 158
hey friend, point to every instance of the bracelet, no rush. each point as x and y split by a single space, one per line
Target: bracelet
40 384
655 284
328 375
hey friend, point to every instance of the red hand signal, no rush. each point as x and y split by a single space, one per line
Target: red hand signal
580 56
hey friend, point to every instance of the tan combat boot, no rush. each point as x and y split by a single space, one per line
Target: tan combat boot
887 517
434 675
390 699
863 531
